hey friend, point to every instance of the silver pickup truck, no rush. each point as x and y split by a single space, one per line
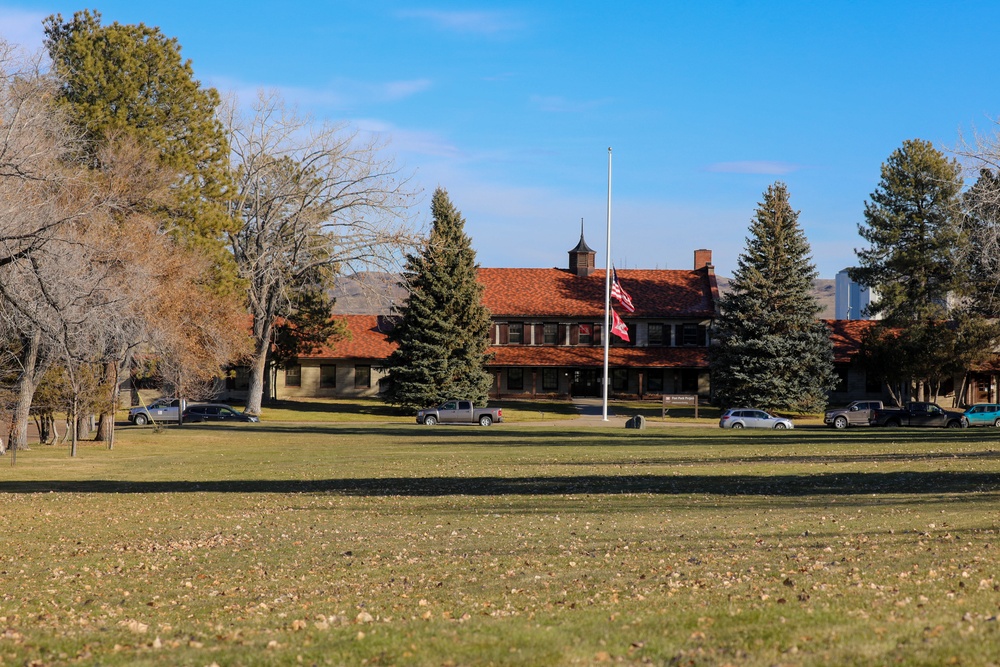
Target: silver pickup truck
459 412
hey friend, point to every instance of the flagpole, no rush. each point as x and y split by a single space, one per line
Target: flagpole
607 297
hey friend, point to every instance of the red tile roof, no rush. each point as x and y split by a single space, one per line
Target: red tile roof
367 339
846 336
559 293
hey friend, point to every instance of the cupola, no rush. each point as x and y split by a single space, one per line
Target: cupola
581 258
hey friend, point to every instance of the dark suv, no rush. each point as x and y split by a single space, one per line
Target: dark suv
216 412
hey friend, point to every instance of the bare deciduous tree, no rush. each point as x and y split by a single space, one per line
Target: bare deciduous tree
310 202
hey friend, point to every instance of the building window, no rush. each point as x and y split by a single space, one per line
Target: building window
586 334
327 376
362 377
515 379
690 335
515 333
238 378
655 381
873 383
293 376
655 334
550 379
550 333
689 381
619 379
841 370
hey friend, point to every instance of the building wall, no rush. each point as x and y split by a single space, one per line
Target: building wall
330 379
851 299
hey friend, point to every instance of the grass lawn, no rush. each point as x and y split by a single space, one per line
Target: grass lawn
367 410
395 544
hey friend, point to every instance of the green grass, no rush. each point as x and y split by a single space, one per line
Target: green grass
394 544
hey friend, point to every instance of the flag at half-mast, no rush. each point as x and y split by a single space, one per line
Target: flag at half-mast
619 292
618 326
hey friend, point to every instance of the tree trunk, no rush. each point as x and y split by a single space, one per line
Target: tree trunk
26 384
108 386
73 427
258 367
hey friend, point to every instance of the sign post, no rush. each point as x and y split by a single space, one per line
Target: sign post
679 399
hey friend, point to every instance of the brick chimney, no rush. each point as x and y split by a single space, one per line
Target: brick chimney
702 258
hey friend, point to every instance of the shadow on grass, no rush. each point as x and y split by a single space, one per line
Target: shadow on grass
835 484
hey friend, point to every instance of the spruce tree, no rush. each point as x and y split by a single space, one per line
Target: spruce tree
770 350
443 334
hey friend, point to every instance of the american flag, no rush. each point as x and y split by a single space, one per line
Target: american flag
620 294
618 327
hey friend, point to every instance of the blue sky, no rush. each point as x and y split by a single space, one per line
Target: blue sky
512 106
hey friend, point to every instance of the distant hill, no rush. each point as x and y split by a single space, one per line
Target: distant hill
824 289
376 293
367 293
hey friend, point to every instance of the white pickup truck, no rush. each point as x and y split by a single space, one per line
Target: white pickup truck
459 412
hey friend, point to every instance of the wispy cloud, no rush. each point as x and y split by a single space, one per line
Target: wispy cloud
467 22
558 104
767 167
338 95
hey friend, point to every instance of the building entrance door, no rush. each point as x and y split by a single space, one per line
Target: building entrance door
586 382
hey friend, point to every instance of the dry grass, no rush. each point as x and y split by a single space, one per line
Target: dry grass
266 544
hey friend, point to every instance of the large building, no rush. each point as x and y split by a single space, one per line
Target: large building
851 299
547 336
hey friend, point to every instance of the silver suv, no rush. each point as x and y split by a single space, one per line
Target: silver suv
752 418
160 410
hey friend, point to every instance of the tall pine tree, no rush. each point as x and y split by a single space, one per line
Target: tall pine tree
443 334
912 226
771 351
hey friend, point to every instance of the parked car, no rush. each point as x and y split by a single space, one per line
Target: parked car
857 413
216 412
918 413
459 412
752 418
982 414
160 410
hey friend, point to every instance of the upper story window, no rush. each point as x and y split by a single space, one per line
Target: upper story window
515 333
586 334
550 333
692 334
656 334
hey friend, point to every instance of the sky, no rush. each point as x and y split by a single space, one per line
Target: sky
512 107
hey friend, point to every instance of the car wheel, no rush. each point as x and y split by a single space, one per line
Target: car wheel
840 422
954 423
780 426
141 420
485 420
892 423
997 423
737 425
430 420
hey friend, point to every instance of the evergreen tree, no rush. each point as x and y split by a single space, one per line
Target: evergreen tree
934 288
771 351
443 333
912 226
130 80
